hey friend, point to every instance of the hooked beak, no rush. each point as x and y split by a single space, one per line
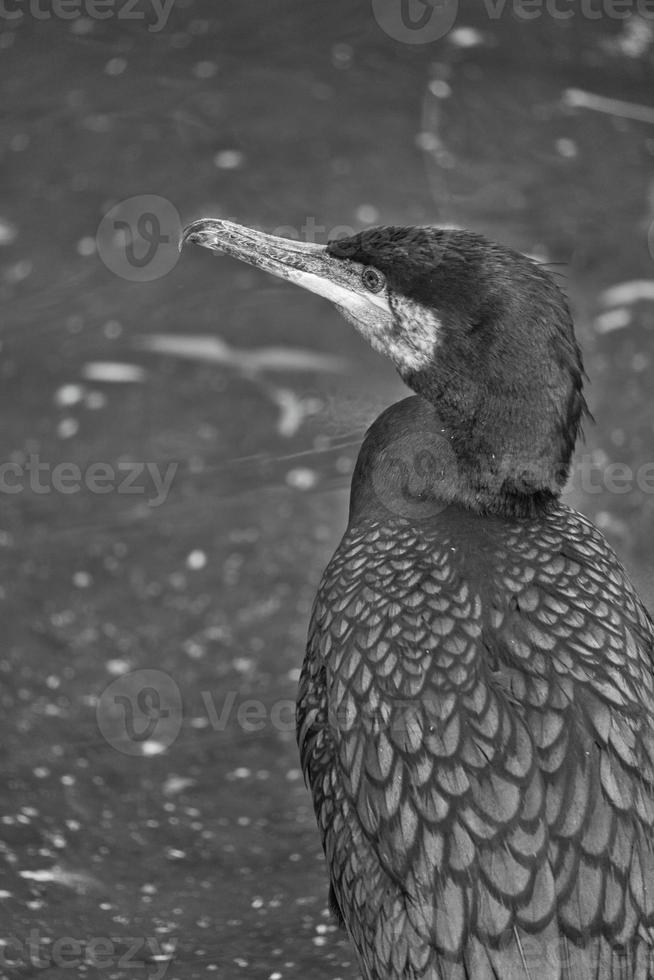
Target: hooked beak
304 263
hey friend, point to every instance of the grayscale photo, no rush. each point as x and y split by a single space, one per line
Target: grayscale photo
327 490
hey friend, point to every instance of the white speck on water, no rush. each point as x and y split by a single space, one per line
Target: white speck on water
294 674
41 874
465 37
113 372
229 159
194 649
68 395
82 26
242 664
241 773
41 772
241 962
53 682
67 428
4 894
115 66
82 580
175 784
152 747
367 214
86 246
257 903
428 141
117 666
440 88
8 232
293 775
635 39
613 320
579 99
319 940
302 478
196 560
567 148
112 329
174 854
79 881
291 410
626 293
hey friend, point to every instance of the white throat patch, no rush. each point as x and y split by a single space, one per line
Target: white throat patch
413 348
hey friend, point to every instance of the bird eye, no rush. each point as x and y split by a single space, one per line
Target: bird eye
373 280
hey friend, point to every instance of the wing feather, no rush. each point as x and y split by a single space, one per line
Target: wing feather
476 723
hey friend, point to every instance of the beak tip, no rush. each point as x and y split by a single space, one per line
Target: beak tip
191 234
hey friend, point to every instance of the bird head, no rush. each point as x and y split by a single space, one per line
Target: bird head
478 330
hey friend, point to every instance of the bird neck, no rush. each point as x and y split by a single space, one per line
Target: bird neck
419 458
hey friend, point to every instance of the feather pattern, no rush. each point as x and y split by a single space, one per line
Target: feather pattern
476 720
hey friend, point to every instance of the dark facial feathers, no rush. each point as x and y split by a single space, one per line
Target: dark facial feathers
505 373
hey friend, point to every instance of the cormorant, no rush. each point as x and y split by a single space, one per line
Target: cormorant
476 706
